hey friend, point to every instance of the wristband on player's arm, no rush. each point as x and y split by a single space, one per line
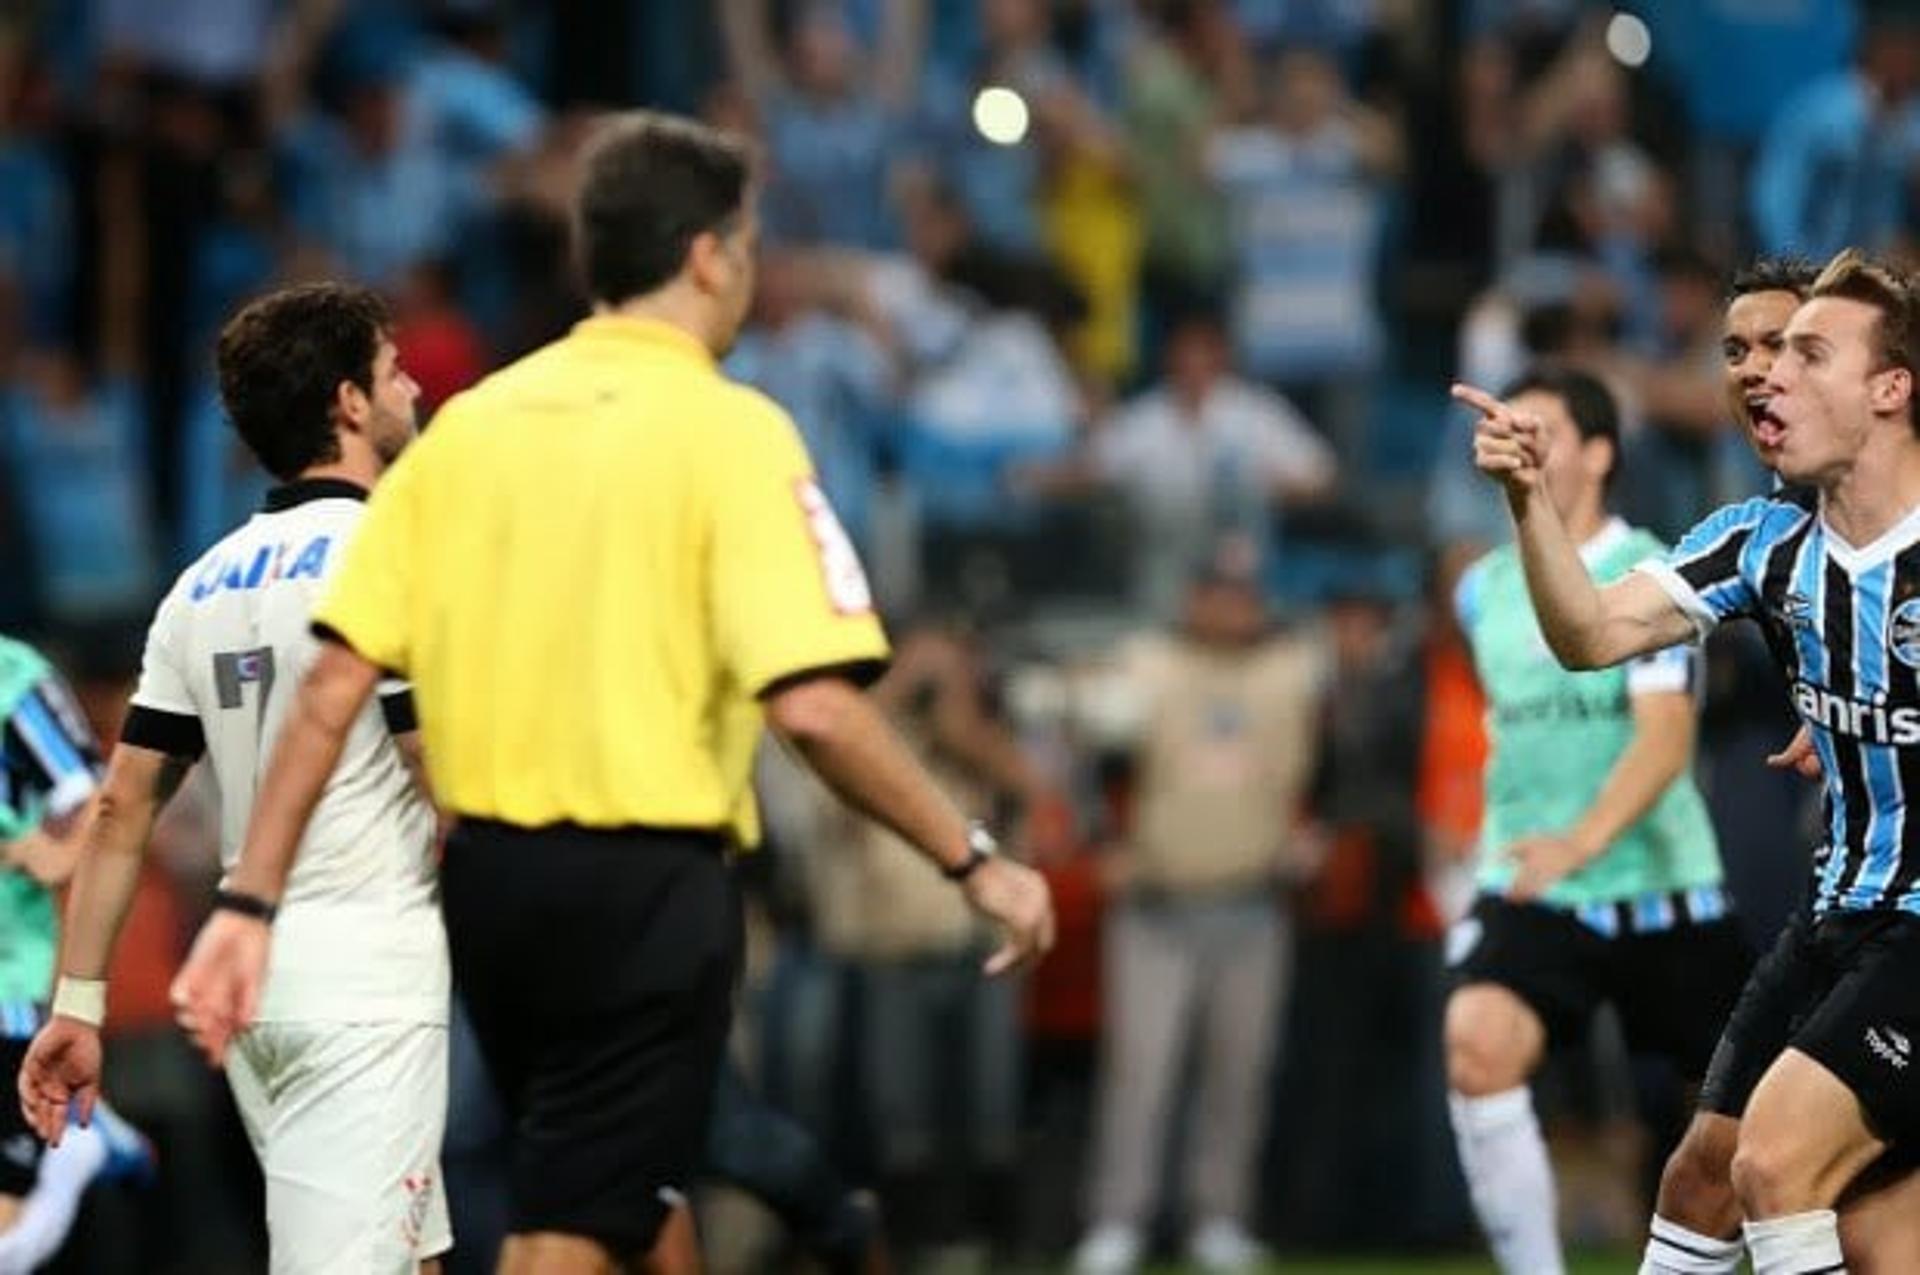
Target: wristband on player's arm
81 999
245 904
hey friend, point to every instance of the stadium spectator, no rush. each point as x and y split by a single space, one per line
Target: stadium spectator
1727 63
1837 161
1203 454
1186 78
374 194
833 115
442 349
1092 228
831 373
1197 943
77 437
1306 197
998 185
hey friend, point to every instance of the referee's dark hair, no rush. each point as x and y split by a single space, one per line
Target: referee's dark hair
653 184
281 361
1595 412
1774 274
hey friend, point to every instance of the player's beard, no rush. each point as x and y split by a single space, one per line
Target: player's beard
391 435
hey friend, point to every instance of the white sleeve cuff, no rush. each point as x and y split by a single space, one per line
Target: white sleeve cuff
1666 672
1690 603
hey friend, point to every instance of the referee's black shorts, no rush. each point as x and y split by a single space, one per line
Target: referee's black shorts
598 968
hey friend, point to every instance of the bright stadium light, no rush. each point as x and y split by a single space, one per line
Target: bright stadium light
1001 115
1629 40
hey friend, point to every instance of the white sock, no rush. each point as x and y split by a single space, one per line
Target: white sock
47 1214
1798 1244
1510 1179
1674 1250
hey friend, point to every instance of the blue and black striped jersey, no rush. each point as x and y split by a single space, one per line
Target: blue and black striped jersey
49 763
1844 625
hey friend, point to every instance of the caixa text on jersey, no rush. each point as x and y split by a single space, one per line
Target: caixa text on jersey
263 565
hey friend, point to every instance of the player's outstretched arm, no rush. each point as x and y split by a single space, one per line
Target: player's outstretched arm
217 991
1586 626
62 1066
846 740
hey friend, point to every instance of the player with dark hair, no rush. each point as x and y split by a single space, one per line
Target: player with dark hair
1600 877
282 364
1760 300
1816 1058
341 1079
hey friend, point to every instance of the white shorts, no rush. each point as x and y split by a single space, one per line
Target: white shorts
346 1119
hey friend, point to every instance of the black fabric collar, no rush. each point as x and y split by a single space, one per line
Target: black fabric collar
301 490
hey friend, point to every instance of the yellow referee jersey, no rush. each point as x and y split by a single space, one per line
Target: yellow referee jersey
589 568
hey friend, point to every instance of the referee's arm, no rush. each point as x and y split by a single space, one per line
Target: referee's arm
793 618
846 740
217 990
331 695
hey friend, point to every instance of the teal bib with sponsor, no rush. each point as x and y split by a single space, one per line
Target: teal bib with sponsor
29 925
1554 738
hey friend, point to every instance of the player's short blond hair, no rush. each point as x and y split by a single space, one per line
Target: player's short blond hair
1854 276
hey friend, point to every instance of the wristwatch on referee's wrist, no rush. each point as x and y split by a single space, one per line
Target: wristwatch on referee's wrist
981 846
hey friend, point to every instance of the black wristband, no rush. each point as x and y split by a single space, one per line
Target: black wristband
245 904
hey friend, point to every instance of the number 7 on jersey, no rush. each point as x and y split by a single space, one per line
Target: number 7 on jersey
234 670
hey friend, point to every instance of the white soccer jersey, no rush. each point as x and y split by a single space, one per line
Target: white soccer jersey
359 936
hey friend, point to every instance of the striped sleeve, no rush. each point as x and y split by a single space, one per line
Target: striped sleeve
1705 574
47 742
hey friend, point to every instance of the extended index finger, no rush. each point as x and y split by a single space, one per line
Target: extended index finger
1475 397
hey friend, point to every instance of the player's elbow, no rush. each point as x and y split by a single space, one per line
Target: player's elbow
1595 641
1577 651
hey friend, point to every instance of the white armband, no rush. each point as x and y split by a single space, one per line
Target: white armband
84 999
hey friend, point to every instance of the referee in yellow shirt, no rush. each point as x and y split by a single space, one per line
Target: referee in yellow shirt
601 569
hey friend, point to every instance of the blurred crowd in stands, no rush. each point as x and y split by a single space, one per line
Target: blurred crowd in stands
1119 331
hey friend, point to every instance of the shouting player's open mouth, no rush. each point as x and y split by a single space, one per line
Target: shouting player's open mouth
1768 430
